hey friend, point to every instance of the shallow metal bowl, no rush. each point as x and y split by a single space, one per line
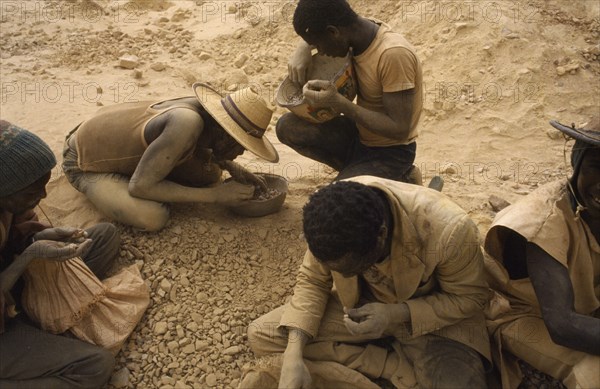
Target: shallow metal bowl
257 208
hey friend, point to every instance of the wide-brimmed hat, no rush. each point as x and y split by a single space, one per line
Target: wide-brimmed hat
243 114
590 133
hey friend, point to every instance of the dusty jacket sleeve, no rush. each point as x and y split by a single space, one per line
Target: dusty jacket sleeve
462 290
313 288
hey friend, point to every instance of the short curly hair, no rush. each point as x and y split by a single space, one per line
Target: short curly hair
315 15
341 218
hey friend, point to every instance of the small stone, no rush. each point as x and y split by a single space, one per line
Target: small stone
158 66
497 203
172 346
211 380
136 252
240 60
232 9
204 56
99 103
560 70
201 297
165 285
232 350
189 349
166 380
201 345
218 311
160 328
129 61
120 379
181 385
137 74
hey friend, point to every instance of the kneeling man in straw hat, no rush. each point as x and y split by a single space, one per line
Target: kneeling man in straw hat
132 158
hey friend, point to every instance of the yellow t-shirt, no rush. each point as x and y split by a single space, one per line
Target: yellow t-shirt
388 65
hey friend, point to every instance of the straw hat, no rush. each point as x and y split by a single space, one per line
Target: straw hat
243 114
590 133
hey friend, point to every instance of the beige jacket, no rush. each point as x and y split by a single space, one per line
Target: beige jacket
437 268
545 218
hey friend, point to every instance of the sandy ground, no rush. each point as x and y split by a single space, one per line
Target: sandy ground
495 73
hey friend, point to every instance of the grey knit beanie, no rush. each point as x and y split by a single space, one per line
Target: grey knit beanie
24 158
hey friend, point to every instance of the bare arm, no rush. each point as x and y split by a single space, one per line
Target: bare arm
300 63
180 133
41 249
554 291
395 123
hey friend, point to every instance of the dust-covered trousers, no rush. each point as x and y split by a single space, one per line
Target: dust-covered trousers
336 143
433 361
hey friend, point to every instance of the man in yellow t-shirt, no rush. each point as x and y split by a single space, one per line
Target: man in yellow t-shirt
376 136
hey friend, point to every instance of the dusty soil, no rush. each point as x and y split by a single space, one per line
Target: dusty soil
495 73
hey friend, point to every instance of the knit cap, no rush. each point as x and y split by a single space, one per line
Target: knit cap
24 158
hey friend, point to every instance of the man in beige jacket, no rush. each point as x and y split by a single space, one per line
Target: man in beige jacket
544 264
406 270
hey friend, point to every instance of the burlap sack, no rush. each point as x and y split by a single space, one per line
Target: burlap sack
67 296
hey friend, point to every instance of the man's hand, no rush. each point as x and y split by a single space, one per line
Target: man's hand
374 320
243 175
62 234
232 192
294 373
321 93
56 251
300 63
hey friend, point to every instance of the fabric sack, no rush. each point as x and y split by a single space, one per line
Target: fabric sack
67 296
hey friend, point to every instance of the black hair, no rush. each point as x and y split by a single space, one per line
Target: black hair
343 217
313 16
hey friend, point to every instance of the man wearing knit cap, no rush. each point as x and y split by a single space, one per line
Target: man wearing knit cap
545 266
30 357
